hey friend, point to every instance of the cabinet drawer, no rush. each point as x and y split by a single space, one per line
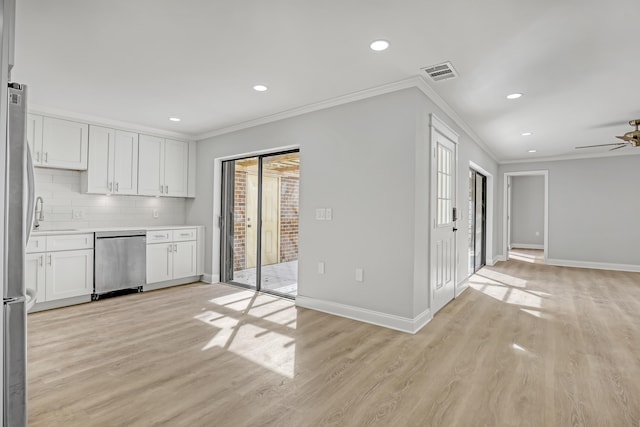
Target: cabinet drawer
184 234
67 242
159 236
37 244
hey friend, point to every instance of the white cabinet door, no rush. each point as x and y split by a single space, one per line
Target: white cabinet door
69 274
34 274
159 262
64 144
184 259
100 164
125 165
176 168
34 137
151 166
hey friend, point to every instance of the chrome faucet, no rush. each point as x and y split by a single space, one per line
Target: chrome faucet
39 214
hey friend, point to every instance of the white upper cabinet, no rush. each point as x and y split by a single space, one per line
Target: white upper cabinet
113 162
99 174
64 144
151 166
163 167
34 138
176 168
125 163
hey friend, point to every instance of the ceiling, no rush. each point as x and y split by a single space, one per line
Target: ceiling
577 62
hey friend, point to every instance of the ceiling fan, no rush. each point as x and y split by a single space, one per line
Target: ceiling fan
631 139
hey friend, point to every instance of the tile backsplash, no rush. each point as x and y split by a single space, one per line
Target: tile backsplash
60 190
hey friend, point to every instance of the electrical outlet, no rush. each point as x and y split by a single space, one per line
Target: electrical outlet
320 214
77 213
156 214
321 267
359 275
328 214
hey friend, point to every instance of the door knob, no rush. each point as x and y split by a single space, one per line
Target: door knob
455 229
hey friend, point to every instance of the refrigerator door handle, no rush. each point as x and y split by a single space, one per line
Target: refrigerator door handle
31 194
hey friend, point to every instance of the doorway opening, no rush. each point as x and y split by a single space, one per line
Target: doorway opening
526 216
477 221
259 222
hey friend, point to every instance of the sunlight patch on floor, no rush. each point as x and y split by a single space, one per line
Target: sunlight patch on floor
268 348
502 278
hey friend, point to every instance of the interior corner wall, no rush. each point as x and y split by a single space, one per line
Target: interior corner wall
593 210
467 151
527 210
358 159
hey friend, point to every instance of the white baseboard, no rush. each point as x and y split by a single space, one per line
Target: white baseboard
594 265
170 283
211 278
399 323
462 286
497 258
526 246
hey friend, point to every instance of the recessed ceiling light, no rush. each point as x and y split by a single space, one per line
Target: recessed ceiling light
260 88
174 119
514 96
532 151
527 133
379 45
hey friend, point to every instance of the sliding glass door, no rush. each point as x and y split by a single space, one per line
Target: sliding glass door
259 222
477 220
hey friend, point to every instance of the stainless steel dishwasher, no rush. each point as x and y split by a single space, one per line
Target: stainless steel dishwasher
120 261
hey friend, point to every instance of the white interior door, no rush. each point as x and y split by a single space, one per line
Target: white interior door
443 237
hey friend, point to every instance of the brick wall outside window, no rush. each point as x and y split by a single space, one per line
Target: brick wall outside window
239 220
289 193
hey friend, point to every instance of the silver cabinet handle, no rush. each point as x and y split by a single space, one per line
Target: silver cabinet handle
110 187
175 248
159 236
166 189
46 157
170 248
117 186
185 234
161 189
41 260
49 259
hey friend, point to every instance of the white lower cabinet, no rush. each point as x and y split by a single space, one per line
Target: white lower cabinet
69 274
159 265
34 275
60 274
184 259
172 258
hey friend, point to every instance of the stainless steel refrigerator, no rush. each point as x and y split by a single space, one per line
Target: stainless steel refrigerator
19 196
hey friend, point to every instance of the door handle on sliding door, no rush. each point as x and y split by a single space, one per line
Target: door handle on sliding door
455 229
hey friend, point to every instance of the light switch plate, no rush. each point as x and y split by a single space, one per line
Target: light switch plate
156 214
320 213
359 275
328 214
321 267
77 213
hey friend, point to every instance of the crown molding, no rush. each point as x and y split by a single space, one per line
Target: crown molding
316 106
101 121
569 157
422 84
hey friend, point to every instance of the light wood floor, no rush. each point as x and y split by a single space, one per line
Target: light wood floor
527 344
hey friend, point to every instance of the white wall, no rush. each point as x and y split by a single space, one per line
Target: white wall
527 210
60 190
593 210
369 161
357 159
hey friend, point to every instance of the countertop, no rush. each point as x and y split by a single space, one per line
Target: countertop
93 230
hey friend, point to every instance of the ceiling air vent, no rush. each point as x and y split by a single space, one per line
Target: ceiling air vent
441 71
